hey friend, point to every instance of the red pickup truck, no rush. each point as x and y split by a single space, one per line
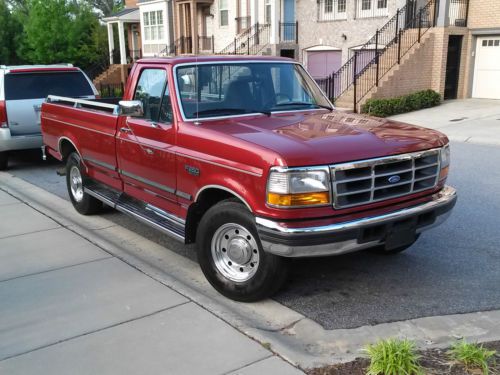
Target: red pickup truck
247 157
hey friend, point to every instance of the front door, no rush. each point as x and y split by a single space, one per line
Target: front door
145 158
452 66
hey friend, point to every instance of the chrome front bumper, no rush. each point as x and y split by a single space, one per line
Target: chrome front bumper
340 238
9 142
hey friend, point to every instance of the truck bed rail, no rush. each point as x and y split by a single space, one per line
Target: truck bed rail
83 103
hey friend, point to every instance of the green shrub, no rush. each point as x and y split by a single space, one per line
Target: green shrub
401 104
393 357
472 356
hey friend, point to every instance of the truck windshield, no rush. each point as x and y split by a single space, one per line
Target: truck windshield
231 89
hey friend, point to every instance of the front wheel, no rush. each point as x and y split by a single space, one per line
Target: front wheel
231 255
82 201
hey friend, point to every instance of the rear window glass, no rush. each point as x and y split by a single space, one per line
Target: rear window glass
40 85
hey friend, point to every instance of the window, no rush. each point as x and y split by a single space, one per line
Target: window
341 6
229 89
267 11
366 4
224 13
149 91
38 85
381 4
328 6
331 10
153 25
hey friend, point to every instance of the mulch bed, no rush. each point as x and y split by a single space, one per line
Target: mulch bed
434 362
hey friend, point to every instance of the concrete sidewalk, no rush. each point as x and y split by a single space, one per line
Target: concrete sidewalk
469 120
68 306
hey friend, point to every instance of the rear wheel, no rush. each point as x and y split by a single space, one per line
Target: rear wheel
75 181
4 160
231 255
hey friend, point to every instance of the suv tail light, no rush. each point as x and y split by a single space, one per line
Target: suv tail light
3 115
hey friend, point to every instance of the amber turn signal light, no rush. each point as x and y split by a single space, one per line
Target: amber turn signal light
300 199
444 173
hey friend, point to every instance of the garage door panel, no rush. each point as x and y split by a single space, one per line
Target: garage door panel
320 64
487 68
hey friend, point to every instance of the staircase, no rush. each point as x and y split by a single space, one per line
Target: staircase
352 84
113 75
249 42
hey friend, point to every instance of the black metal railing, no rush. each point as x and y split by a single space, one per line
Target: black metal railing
206 43
458 13
289 32
332 10
242 23
113 90
371 8
182 45
250 42
375 58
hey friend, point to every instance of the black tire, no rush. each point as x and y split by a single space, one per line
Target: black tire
4 160
84 203
270 272
381 249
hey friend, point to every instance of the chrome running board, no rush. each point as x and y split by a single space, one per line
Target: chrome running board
146 213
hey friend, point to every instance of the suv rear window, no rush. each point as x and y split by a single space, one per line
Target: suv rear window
40 85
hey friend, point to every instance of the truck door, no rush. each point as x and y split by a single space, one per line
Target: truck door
146 160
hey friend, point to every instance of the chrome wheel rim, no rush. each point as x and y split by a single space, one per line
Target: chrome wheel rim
235 252
76 183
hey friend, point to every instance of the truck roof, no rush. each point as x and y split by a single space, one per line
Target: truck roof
210 58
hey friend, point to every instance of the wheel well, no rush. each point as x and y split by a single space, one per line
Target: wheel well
66 148
207 199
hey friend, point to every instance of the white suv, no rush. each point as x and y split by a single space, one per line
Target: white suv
23 89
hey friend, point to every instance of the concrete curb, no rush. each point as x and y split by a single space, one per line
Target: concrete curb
291 335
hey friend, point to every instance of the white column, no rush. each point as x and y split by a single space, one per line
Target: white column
443 16
121 35
275 14
111 42
254 12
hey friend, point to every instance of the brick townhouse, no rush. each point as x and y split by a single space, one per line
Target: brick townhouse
355 49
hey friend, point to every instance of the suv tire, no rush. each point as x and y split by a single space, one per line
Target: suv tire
4 160
75 181
231 256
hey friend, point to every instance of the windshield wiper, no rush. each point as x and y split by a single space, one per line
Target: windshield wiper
304 103
223 111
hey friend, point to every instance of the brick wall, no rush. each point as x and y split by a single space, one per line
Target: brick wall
484 14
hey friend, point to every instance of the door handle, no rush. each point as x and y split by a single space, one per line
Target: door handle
155 125
125 130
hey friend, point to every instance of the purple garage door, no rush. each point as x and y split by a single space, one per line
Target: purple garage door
321 64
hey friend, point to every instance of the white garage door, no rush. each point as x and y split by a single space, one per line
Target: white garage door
487 68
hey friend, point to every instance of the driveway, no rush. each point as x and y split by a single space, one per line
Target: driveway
469 120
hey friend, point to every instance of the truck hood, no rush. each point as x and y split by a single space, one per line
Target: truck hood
312 138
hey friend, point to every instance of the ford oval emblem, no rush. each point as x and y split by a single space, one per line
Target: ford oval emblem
394 179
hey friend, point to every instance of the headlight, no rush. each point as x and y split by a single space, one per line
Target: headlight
444 161
298 187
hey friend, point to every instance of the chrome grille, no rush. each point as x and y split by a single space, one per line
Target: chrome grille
379 179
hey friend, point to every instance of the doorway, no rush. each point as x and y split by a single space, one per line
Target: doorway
452 66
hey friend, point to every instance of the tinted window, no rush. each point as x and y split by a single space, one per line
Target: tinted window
40 85
149 91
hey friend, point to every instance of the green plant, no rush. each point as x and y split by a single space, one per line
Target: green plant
401 104
472 356
393 357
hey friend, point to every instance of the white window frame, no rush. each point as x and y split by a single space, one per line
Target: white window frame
330 10
374 8
154 26
223 7
267 12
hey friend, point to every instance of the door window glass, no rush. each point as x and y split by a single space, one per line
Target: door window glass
166 115
149 92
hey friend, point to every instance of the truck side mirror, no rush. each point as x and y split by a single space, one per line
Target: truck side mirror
132 108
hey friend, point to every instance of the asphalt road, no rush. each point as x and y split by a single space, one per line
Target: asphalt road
451 269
